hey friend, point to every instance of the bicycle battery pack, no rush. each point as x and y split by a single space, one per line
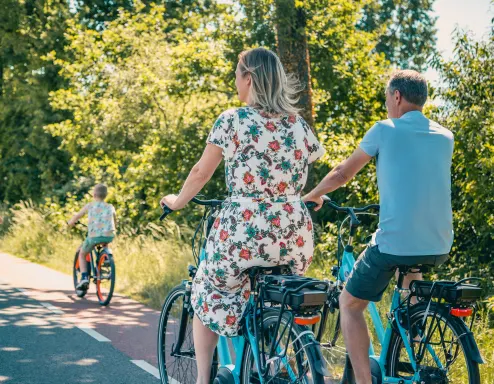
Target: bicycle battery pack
449 291
313 296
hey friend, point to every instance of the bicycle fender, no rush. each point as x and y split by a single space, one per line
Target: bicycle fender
319 362
472 347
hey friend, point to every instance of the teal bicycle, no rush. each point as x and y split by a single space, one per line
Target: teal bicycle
430 342
277 342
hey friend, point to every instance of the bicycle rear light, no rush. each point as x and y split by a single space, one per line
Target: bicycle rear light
307 320
461 312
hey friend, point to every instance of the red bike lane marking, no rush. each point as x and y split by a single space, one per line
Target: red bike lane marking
131 326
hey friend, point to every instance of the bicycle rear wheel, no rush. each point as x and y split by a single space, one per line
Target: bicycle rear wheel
76 274
105 278
447 342
298 366
178 367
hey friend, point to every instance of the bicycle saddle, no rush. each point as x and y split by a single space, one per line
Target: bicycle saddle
405 269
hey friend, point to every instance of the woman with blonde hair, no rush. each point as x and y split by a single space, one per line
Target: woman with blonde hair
267 148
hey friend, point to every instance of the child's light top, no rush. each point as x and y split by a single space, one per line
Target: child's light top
101 220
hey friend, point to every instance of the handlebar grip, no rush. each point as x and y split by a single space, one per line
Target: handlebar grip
166 212
310 205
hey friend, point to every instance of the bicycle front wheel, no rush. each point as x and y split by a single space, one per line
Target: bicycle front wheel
178 366
445 357
105 278
296 366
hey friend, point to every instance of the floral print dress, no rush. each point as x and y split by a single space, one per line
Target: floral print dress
263 222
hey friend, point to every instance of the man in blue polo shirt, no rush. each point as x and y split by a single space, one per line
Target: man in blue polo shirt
415 221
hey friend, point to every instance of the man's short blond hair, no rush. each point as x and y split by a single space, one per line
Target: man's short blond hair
411 84
100 191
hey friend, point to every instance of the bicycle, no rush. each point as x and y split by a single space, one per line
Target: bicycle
101 270
426 343
275 344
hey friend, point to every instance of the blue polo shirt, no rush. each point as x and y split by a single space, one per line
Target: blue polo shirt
414 179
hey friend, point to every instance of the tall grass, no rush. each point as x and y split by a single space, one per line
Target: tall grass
147 266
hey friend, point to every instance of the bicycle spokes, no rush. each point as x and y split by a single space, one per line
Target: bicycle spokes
439 353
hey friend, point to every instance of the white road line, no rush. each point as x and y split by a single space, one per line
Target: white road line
52 308
150 369
98 336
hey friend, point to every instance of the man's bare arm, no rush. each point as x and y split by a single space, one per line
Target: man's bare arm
340 175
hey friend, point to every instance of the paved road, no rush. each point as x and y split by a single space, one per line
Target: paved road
49 335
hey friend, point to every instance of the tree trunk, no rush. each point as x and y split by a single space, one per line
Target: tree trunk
294 52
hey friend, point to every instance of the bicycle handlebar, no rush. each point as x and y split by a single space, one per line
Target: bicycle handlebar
209 203
212 203
349 210
77 223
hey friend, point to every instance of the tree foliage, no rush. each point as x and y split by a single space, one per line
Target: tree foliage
467 109
31 164
140 107
406 30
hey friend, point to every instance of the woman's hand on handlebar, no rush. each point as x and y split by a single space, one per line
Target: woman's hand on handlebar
315 199
170 202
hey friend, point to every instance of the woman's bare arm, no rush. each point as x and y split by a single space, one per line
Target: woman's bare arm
199 175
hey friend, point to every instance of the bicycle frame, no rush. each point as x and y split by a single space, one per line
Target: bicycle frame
92 260
383 334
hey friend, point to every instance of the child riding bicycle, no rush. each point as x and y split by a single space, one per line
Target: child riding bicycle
101 228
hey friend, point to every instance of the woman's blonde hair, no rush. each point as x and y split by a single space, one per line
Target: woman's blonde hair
272 90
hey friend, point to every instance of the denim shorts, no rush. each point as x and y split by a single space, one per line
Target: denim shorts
91 242
373 271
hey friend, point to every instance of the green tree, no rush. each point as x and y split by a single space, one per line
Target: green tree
406 29
31 165
95 13
140 106
467 109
